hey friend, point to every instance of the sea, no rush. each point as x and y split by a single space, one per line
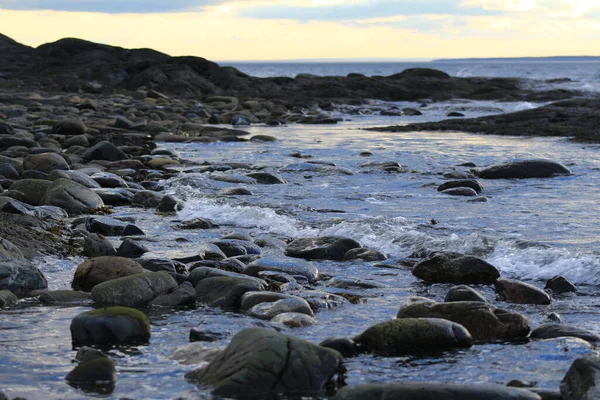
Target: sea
530 229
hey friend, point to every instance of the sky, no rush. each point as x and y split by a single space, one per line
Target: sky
225 30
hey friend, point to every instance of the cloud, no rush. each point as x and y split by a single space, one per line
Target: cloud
365 9
107 6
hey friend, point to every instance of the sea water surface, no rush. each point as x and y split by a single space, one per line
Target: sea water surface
529 229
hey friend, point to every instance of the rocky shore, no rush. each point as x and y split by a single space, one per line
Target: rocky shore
80 132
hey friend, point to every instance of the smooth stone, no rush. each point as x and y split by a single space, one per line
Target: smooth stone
76 176
134 290
130 248
226 291
353 283
8 251
320 300
45 162
195 353
519 292
266 178
582 381
469 183
95 245
155 264
460 191
74 198
69 127
288 265
101 269
464 293
234 247
260 362
456 268
559 285
109 180
269 310
407 336
108 326
294 320
115 197
97 375
251 299
321 248
53 297
550 331
168 204
33 189
105 226
343 345
364 254
523 169
183 295
196 223
234 192
147 198
21 277
104 151
7 299
86 353
9 171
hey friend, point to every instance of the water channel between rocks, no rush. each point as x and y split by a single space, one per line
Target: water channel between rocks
529 229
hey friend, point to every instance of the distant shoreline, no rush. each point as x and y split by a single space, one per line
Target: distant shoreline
520 59
558 59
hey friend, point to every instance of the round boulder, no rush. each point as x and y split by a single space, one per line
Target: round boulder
456 268
108 326
101 269
45 162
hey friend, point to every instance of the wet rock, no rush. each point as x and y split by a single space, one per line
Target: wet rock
129 248
483 321
553 318
259 362
95 245
320 300
7 299
411 112
21 277
404 336
460 191
269 310
86 353
76 176
135 290
200 334
105 226
549 331
523 169
196 223
168 204
61 297
183 295
147 198
291 266
234 247
263 138
108 326
115 197
465 183
8 251
294 320
353 283
455 114
109 180
343 345
582 381
251 299
161 264
364 254
101 269
132 230
558 285
266 178
9 171
104 151
69 127
195 353
464 293
456 268
519 292
421 73
32 189
74 198
226 291
321 248
97 375
431 391
234 192
45 162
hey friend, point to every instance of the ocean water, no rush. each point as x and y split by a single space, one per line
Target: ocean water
529 229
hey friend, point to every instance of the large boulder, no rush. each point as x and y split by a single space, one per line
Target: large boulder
32 189
260 362
432 391
45 162
456 268
134 290
582 381
523 169
550 331
406 336
321 248
104 151
280 263
21 277
101 269
226 291
108 326
483 321
519 292
74 198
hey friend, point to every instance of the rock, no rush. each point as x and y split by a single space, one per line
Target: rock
553 318
269 310
74 198
464 183
263 138
582 381
235 247
455 114
321 248
33 174
76 176
110 326
129 248
519 292
7 299
421 73
353 283
464 293
109 180
132 230
550 331
161 264
456 268
97 375
523 169
266 178
69 127
411 112
234 192
484 322
251 299
61 297
291 266
183 295
104 151
196 223
460 191
260 362
101 269
115 197
105 226
559 285
86 353
364 254
225 291
433 391
294 320
147 198
168 204
45 162
405 336
343 345
123 123
9 171
95 245
194 353
8 251
134 290
21 277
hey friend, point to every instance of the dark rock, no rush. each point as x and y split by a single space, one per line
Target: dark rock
69 127
97 375
196 223
266 178
233 247
234 192
364 254
294 320
134 290
115 197
33 189
263 138
260 362
468 183
108 326
109 180
269 310
321 248
421 73
550 331
558 285
455 114
147 198
86 353
483 321
456 268
75 176
96 245
291 266
21 277
123 123
464 293
225 291
162 264
433 391
7 299
104 151
183 295
101 269
74 198
8 251
405 336
582 381
132 230
460 191
524 169
251 299
411 112
9 171
168 204
105 226
45 162
129 248
343 345
202 335
61 297
518 292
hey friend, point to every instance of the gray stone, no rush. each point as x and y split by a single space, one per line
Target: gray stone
582 381
288 265
464 293
523 169
225 291
21 277
460 191
266 178
183 295
559 284
97 375
45 162
8 251
321 248
468 183
550 331
269 310
456 268
104 151
33 189
134 290
95 245
76 176
74 198
54 297
70 127
105 226
7 299
519 292
107 326
101 269
131 249
147 198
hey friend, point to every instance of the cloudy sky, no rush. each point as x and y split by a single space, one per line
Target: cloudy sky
310 29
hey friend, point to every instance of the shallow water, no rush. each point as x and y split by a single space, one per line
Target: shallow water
530 229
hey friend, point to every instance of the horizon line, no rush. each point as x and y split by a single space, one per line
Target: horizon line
398 60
